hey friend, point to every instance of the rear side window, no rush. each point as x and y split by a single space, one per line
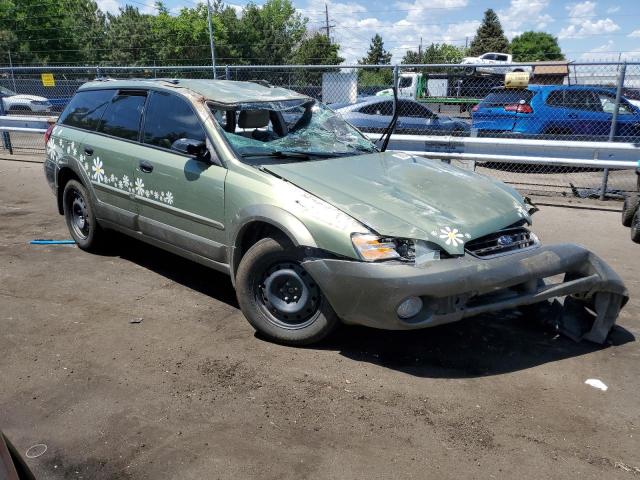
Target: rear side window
122 117
86 108
506 97
382 108
169 118
582 100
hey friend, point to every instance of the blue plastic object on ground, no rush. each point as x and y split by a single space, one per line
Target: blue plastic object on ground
39 241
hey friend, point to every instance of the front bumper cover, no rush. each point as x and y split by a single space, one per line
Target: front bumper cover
452 289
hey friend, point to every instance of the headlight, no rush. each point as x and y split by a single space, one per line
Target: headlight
373 248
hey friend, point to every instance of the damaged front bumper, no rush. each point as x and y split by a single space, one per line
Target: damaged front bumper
452 289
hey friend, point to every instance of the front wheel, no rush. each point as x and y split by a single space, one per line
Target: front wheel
635 227
629 208
279 298
80 217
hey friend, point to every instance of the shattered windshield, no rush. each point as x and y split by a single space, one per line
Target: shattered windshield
296 129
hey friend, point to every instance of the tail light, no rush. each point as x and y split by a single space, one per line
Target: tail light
47 134
475 108
519 108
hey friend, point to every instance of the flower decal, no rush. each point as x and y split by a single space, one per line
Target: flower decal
169 198
98 170
139 187
453 237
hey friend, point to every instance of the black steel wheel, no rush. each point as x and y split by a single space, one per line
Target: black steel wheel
279 297
80 217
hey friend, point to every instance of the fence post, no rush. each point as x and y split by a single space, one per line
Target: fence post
227 73
614 122
6 138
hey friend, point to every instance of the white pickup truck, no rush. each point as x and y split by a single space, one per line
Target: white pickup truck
496 63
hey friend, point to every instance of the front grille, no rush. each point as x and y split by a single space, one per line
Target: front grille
509 240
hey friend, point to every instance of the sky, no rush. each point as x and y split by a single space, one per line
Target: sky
587 30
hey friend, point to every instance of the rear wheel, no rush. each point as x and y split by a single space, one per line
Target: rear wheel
279 298
635 227
629 208
80 216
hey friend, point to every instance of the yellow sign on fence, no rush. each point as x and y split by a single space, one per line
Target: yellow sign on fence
48 80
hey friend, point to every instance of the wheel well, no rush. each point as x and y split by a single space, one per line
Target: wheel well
250 235
64 176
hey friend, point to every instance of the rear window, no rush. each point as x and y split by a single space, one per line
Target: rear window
506 97
86 108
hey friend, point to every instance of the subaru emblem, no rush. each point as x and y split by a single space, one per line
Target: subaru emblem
505 240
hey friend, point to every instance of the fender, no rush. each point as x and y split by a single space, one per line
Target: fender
281 219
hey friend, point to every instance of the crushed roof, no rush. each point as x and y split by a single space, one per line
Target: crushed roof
219 91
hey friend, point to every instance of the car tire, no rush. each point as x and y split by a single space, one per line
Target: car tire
629 208
279 298
469 70
80 217
635 227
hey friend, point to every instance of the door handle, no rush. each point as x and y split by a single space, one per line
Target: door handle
572 115
146 167
88 151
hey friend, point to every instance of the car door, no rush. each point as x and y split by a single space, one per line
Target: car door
108 153
584 115
628 121
180 198
416 119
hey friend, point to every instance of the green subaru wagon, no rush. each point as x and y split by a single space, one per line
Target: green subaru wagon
313 223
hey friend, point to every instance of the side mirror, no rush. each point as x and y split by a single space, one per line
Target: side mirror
190 146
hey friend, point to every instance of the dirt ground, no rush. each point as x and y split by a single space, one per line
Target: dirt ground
192 393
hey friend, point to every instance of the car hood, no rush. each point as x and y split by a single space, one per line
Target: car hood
26 97
406 196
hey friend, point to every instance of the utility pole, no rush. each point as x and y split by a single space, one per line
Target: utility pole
13 78
326 19
420 51
211 44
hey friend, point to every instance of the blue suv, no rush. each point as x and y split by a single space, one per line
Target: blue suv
576 111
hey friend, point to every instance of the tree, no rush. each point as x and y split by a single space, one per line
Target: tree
435 53
489 37
535 47
315 49
61 32
377 55
128 37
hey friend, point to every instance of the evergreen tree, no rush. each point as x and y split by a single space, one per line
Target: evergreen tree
377 55
489 37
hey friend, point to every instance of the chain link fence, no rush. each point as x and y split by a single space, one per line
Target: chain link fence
587 102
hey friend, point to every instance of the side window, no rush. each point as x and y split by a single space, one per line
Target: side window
502 58
405 82
488 56
169 118
382 108
556 98
86 108
608 103
122 116
582 100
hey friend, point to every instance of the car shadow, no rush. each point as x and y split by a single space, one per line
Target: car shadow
192 275
479 346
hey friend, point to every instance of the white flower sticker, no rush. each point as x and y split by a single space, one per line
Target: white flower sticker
125 180
169 198
98 171
139 187
453 237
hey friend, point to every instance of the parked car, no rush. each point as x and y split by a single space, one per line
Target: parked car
632 95
496 63
14 102
375 113
314 225
580 111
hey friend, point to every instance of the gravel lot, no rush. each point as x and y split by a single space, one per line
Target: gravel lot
191 392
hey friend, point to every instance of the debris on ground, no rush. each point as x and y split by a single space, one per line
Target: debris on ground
136 320
40 241
595 383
